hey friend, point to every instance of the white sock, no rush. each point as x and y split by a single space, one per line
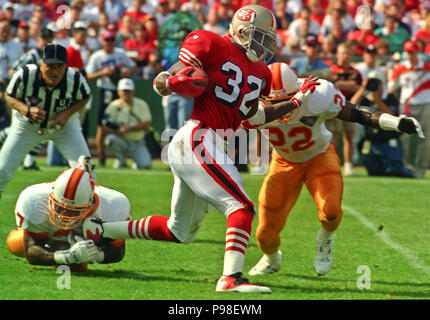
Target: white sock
324 235
29 160
116 230
233 262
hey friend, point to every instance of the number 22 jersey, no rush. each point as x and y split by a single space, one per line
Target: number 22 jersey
306 136
235 83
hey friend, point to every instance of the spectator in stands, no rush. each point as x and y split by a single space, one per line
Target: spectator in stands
337 32
297 25
293 48
9 15
364 37
125 121
23 10
423 33
213 25
125 31
328 50
107 65
347 79
33 56
197 8
92 10
412 79
370 64
135 12
395 35
53 10
10 52
317 12
146 52
23 37
336 13
39 13
163 12
310 62
151 26
225 13
115 10
362 17
103 22
283 19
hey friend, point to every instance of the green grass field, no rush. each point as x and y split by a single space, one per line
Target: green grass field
397 256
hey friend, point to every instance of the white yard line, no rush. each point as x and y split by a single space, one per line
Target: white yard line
408 254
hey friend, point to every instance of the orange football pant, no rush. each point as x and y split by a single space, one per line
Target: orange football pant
281 189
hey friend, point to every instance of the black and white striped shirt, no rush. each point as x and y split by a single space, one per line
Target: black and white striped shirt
27 85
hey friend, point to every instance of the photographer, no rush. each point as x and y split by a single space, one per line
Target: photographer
107 65
381 151
125 121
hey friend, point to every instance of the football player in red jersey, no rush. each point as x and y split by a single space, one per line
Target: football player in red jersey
203 173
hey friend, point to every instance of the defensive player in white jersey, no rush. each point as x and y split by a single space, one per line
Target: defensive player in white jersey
50 215
303 153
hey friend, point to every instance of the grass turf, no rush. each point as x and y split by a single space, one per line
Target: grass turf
384 227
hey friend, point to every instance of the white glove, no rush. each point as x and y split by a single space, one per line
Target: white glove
81 251
100 254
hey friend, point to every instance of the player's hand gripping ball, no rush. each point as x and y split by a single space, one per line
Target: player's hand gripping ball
189 82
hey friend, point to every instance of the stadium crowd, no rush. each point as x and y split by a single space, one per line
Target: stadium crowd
363 46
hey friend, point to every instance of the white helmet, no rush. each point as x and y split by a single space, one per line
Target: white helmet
253 27
284 82
71 198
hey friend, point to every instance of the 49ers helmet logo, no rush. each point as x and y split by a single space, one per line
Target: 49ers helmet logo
246 15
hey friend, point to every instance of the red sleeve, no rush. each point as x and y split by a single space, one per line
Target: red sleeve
196 48
74 58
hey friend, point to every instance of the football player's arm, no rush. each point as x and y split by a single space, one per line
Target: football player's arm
271 112
113 252
380 120
35 252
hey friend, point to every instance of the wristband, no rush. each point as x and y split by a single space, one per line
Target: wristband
60 257
154 83
388 122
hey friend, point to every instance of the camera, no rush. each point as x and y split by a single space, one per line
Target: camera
373 84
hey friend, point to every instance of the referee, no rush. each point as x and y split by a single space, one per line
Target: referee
45 99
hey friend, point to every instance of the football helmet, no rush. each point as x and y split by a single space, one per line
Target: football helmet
284 82
253 27
71 198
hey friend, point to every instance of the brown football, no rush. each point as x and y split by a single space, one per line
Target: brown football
199 73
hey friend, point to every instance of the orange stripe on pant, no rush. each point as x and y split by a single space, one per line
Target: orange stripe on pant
281 189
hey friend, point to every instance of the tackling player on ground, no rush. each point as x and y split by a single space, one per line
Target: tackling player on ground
203 173
303 154
49 218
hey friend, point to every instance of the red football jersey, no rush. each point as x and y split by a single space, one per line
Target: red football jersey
235 83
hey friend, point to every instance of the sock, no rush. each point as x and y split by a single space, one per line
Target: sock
348 166
150 228
324 235
237 237
28 160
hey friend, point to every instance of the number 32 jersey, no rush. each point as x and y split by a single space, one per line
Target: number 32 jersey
235 83
306 135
